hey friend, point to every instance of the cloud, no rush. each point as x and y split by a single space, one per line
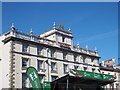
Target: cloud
99 37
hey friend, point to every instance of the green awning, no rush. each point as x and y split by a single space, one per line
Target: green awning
92 75
83 80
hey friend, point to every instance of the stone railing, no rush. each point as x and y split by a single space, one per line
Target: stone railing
83 50
31 37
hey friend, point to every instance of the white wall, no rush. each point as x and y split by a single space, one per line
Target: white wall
33 61
5 64
88 60
18 46
1 63
59 37
52 37
70 57
59 54
68 41
33 49
18 70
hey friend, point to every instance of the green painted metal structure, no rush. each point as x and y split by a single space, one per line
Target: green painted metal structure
86 74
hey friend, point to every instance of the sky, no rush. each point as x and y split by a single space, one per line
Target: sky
0 18
92 23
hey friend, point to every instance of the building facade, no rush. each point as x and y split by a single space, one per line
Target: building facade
109 67
51 53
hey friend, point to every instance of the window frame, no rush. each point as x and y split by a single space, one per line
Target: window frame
75 57
40 67
25 47
39 50
53 53
24 82
65 56
54 68
27 63
65 67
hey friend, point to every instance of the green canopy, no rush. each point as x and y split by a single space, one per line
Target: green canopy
82 79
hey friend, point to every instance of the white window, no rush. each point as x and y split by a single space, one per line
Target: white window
39 50
85 68
81 59
64 56
75 58
25 47
84 59
53 67
48 52
40 64
80 67
25 63
65 68
88 60
95 61
53 53
24 80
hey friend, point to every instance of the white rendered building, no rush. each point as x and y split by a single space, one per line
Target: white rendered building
51 53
